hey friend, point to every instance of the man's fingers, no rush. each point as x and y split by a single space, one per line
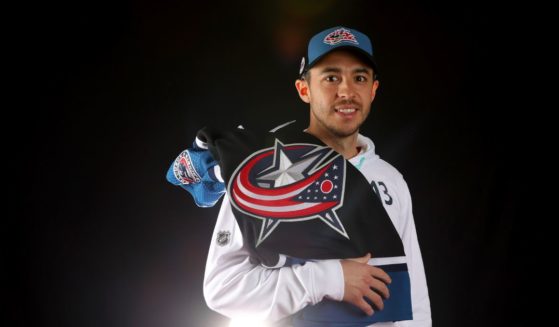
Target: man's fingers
365 286
375 298
380 274
364 306
380 287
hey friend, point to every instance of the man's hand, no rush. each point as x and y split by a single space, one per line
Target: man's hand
362 280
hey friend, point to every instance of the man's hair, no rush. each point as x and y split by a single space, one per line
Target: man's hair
306 76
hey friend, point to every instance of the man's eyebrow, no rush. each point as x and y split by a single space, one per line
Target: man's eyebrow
359 70
326 70
363 70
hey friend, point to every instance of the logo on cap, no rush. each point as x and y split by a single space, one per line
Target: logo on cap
340 35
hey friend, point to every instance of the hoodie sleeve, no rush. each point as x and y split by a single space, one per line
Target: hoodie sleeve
419 293
235 287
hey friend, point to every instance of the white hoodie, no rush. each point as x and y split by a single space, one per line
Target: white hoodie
237 288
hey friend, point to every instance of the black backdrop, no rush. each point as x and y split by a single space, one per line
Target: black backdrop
122 88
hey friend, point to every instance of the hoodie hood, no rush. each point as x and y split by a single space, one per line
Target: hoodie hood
367 150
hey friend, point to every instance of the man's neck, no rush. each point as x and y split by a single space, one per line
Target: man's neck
346 146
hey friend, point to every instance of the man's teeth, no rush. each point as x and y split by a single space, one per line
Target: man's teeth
346 111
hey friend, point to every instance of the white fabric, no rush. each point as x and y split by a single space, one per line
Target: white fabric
235 287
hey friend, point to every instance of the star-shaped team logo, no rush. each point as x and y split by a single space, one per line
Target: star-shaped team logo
300 182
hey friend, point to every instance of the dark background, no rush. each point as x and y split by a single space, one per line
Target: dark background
120 89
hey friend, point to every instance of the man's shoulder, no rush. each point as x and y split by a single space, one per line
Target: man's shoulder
383 168
388 167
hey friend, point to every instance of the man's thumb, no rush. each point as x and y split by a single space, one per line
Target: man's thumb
363 259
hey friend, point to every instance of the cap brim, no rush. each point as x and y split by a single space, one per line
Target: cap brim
366 57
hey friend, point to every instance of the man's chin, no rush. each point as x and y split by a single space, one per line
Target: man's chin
346 132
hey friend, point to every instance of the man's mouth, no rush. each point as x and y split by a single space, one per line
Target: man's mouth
346 110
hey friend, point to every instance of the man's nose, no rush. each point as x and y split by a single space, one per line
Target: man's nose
345 89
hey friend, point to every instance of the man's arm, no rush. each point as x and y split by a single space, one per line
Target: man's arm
235 287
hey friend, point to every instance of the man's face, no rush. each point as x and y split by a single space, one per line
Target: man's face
340 92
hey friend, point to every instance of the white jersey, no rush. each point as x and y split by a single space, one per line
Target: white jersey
235 287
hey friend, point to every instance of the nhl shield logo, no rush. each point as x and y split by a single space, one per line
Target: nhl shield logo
290 183
223 237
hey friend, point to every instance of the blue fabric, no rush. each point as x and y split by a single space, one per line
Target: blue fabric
334 38
329 313
318 45
193 170
341 314
292 261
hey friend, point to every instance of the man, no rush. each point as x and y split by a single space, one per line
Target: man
313 210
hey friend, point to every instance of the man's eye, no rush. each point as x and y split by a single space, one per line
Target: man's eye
361 78
331 78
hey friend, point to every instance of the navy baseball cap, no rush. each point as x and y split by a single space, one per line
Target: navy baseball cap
336 38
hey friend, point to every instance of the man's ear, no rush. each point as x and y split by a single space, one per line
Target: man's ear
303 89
